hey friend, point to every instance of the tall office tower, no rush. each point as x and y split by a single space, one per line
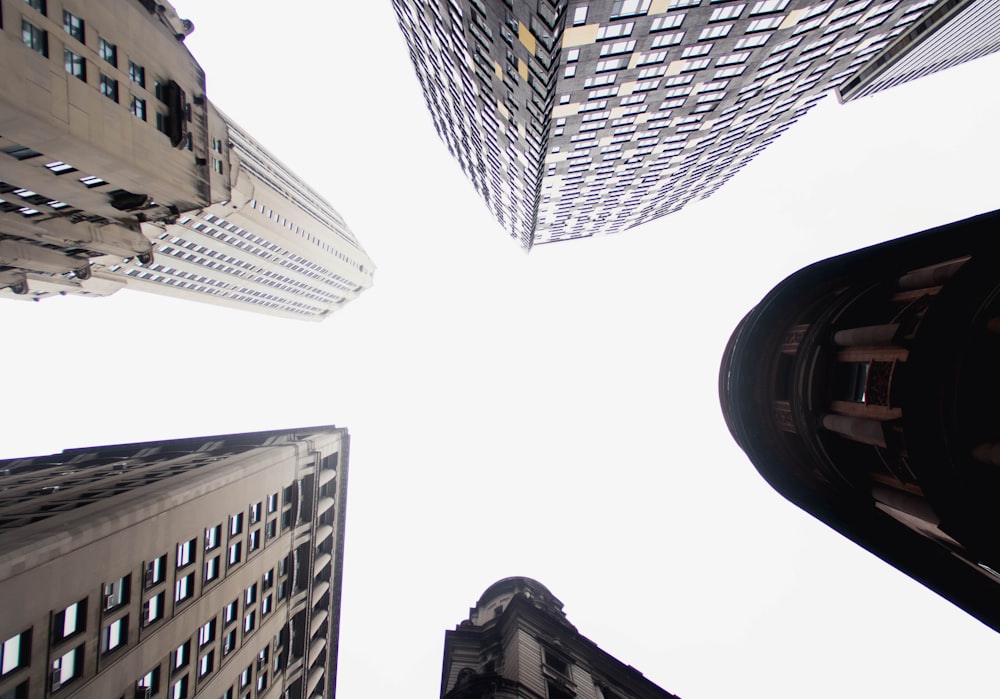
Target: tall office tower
951 33
116 172
573 118
517 643
864 389
203 567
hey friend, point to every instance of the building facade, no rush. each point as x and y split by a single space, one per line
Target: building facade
203 567
115 168
518 644
573 117
863 389
950 34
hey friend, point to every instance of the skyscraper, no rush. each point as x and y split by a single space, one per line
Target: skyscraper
863 389
518 643
949 34
117 172
573 118
202 567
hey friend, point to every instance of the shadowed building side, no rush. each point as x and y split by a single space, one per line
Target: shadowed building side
518 644
864 389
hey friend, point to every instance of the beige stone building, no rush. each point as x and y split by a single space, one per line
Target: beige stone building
202 567
116 171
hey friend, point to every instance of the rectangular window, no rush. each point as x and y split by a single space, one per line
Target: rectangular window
671 21
181 655
765 6
615 31
211 569
205 663
109 87
117 593
629 8
715 32
137 106
184 588
271 529
229 612
254 542
179 690
229 642
206 634
726 12
38 5
235 553
255 513
107 51
185 553
35 38
150 681
249 622
250 594
152 610
15 652
75 65
73 26
671 39
580 16
763 25
272 503
156 571
137 74
213 537
618 47
236 524
115 634
70 621
266 606
67 667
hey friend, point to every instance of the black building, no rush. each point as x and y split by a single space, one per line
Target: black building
864 389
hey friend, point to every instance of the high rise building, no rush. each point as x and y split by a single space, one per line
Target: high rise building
518 643
117 172
949 34
576 117
203 567
863 389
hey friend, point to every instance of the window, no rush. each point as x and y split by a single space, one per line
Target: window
556 691
67 667
255 513
181 656
150 681
15 652
272 499
262 682
185 553
156 571
266 606
250 595
667 22
696 50
765 6
152 609
236 524
271 529
73 26
179 690
75 65
671 39
245 676
205 663
617 47
117 593
206 634
35 38
750 42
726 12
229 612
70 621
213 537
850 381
137 106
38 5
109 87
137 74
615 31
628 8
211 569
715 32
235 553
114 635
762 25
108 51
229 643
184 588
580 16
254 542
249 622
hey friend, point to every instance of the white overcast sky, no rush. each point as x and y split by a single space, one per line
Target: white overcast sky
554 414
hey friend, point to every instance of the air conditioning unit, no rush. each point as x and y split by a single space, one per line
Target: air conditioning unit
143 692
110 601
149 578
55 679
